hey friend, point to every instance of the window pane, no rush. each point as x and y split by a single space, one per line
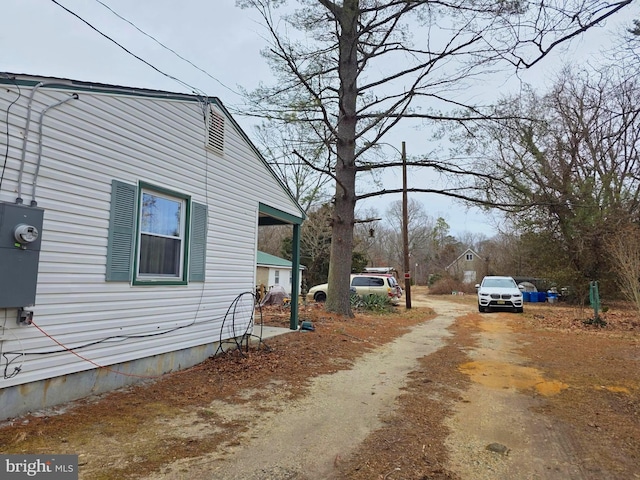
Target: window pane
159 256
161 215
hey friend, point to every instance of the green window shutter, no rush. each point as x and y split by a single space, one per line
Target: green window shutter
198 241
122 222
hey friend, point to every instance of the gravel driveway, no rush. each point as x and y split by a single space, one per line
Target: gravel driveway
306 439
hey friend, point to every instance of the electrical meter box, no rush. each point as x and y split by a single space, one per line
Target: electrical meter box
20 239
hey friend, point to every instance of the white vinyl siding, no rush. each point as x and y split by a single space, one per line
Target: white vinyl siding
87 143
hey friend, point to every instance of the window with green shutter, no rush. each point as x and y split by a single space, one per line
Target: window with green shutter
156 236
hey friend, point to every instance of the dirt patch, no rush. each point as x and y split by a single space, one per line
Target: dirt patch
600 408
310 436
536 383
140 430
534 393
411 442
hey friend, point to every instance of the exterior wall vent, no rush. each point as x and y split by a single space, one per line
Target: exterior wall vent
215 133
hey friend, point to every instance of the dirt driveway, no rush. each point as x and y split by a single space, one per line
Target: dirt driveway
305 439
438 392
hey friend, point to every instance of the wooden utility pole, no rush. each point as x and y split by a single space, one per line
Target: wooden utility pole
405 230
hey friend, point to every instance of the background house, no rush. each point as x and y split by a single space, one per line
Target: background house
272 270
128 227
469 267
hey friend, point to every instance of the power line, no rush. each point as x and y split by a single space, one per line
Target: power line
193 89
6 152
166 47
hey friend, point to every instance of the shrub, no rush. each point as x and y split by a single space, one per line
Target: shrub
446 285
372 303
356 300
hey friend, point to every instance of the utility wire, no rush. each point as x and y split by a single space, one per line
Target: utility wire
193 89
166 47
239 307
6 151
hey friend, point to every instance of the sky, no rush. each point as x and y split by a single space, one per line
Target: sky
222 44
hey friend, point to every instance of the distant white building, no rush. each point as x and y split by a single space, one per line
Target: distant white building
272 270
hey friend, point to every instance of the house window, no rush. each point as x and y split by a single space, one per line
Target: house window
156 236
277 277
469 257
161 241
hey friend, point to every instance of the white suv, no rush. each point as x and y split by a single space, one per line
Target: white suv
365 284
499 292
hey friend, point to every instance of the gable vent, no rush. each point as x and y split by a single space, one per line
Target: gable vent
215 133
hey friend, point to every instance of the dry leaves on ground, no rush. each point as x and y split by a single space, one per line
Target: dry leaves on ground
129 433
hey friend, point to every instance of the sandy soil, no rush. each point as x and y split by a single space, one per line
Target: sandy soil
438 392
497 409
307 437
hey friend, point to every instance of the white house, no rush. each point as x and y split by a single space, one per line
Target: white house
272 270
128 227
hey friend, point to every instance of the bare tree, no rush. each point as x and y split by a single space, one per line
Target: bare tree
503 255
315 244
419 227
567 164
271 238
624 248
626 54
352 70
473 240
278 143
367 233
383 251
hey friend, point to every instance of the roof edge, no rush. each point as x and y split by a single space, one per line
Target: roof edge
18 79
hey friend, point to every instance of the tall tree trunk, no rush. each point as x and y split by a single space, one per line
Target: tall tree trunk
345 198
